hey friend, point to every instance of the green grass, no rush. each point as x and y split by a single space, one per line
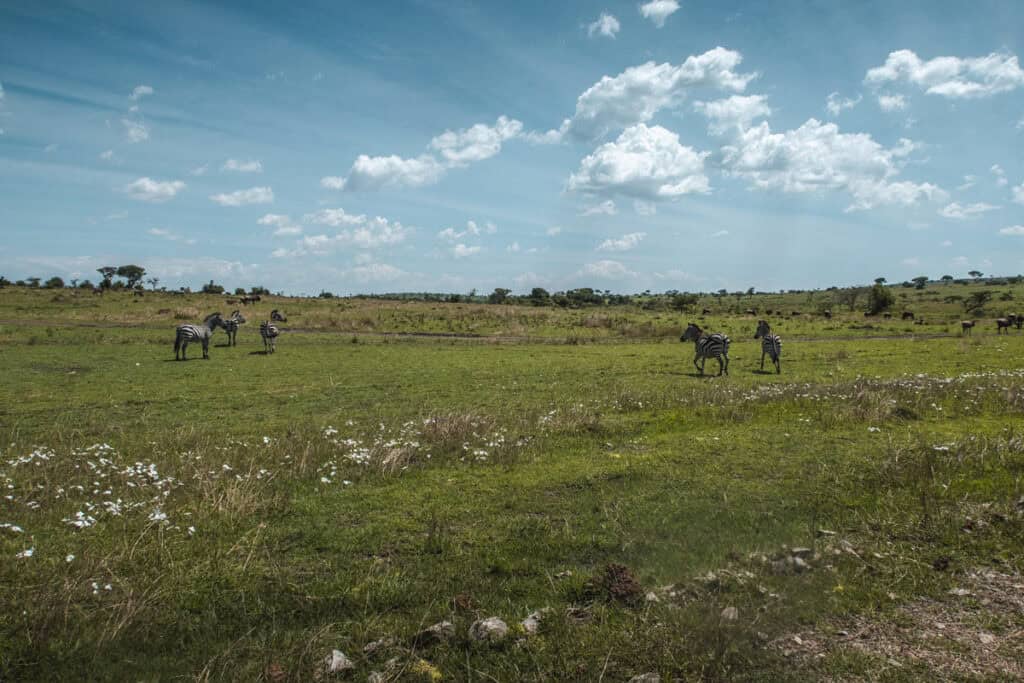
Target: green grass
482 469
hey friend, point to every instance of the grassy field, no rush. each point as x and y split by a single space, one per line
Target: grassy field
395 465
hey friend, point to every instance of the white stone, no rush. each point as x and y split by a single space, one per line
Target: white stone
491 629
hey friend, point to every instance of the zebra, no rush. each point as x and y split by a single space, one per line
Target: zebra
771 344
708 346
908 315
1004 324
269 332
967 326
1018 320
188 333
231 327
278 316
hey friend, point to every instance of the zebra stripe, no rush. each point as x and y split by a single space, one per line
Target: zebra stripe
189 333
714 345
231 327
771 344
269 332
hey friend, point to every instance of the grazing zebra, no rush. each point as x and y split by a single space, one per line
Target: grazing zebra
278 316
231 327
907 315
269 332
967 326
708 346
827 314
1003 324
202 333
771 344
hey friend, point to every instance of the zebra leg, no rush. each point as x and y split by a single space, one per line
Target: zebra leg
726 356
699 369
778 365
184 345
206 349
762 359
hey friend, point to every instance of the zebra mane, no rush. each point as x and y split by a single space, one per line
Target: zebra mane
210 317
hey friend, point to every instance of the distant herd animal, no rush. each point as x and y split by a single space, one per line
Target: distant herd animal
202 333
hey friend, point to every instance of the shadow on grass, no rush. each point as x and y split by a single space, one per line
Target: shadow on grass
258 353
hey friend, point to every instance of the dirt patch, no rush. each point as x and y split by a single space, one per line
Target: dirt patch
976 631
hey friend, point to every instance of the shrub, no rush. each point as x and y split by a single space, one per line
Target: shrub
880 299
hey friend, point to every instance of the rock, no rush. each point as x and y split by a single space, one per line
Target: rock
337 662
370 648
376 677
730 614
800 565
440 632
986 638
564 575
801 552
646 678
652 597
491 629
531 624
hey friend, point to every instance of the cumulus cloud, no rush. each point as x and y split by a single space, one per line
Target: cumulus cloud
242 166
1000 175
816 157
946 243
1015 230
659 10
1018 194
136 131
360 231
612 270
958 212
200 170
643 208
141 91
476 143
624 243
377 272
473 229
107 155
554 230
455 149
892 102
638 93
720 233
605 208
605 25
835 104
283 224
952 77
969 182
157 191
463 250
736 112
253 195
644 163
911 261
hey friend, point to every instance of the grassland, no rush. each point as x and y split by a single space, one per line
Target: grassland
394 465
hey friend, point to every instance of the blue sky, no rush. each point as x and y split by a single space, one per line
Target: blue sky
444 146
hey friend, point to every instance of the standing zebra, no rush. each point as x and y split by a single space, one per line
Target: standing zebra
188 333
1004 324
278 316
231 327
771 344
708 346
967 326
269 332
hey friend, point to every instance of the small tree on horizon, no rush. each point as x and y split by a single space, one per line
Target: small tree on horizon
132 274
880 280
879 299
975 274
54 283
947 279
107 273
920 281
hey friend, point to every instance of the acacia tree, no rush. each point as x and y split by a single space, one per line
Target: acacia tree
946 279
107 273
975 274
977 301
920 281
132 274
880 280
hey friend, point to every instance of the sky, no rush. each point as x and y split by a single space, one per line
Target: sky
448 146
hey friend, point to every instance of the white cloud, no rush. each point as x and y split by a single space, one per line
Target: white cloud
1000 175
962 212
606 208
605 25
1018 194
733 112
678 275
624 243
149 190
1016 230
1 92
529 280
554 230
513 248
1020 123
168 235
969 182
475 143
911 261
374 173
892 102
720 233
334 218
659 10
141 91
644 162
253 195
612 270
816 157
472 230
836 104
952 77
946 243
638 93
361 232
200 170
377 272
107 155
136 131
283 224
643 208
462 250
242 166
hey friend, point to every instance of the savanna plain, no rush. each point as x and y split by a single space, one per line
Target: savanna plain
397 465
